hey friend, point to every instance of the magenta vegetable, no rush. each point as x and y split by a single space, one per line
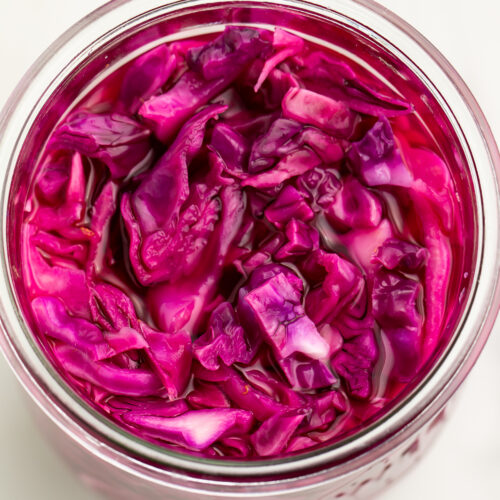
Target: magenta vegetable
376 159
194 429
239 252
145 77
117 140
225 340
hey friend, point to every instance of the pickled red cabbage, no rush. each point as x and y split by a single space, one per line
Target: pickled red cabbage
237 252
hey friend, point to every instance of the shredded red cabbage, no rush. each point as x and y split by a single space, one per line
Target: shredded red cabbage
216 257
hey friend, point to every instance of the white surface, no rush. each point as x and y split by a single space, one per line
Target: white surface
465 460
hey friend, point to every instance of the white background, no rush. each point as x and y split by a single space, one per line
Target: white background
464 463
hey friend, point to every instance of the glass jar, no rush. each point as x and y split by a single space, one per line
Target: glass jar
125 467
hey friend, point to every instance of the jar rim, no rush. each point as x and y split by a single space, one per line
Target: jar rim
36 373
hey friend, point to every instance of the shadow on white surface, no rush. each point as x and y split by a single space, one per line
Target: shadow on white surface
29 468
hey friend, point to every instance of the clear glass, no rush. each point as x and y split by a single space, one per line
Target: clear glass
126 467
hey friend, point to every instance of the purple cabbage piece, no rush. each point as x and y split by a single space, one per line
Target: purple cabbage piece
319 186
292 165
355 362
216 65
207 396
394 304
302 239
310 108
69 212
113 380
290 204
364 243
394 300
269 384
175 304
235 446
324 409
437 277
230 51
434 183
286 136
401 256
41 277
343 289
180 306
355 206
260 258
337 79
225 340
115 139
171 355
285 45
167 113
332 336
52 179
104 208
376 160
145 77
232 147
125 339
153 212
223 374
54 321
245 396
273 435
433 196
111 308
196 429
303 373
183 46
162 192
269 95
279 141
59 247
175 253
406 345
265 273
241 115
276 308
300 443
120 405
327 147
